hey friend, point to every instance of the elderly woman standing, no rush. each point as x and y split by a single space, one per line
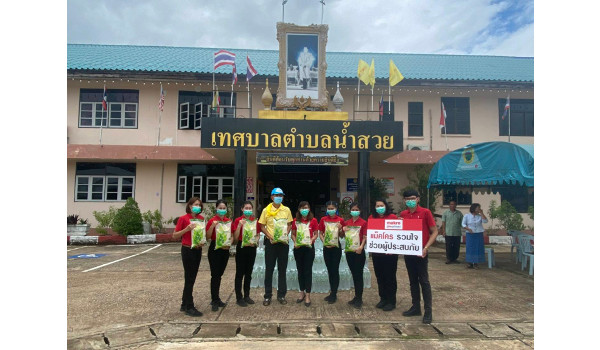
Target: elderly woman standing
473 223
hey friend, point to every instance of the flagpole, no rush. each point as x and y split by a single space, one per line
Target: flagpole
389 98
358 97
372 87
213 87
509 121
102 119
446 133
159 116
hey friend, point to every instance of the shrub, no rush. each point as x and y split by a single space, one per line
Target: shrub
377 190
508 217
128 220
105 219
72 219
83 221
155 219
418 180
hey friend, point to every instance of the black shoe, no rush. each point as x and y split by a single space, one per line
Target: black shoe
469 266
380 304
413 311
351 302
282 300
220 303
456 261
332 299
448 262
267 302
427 318
299 300
327 298
389 307
241 302
182 308
249 301
193 312
357 304
214 307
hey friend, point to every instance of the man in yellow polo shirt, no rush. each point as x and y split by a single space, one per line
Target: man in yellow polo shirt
276 222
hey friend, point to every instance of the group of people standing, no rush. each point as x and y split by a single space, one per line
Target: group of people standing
278 224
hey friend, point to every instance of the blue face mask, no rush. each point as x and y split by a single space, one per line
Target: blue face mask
304 212
196 210
411 203
380 210
277 200
221 212
355 213
331 212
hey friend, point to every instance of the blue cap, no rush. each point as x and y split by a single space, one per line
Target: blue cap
277 190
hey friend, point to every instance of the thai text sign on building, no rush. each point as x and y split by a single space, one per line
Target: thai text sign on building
305 135
396 236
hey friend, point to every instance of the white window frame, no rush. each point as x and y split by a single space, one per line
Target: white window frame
119 188
198 108
179 192
220 186
96 107
197 193
184 122
123 112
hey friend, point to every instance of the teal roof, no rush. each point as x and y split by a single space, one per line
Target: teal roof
339 64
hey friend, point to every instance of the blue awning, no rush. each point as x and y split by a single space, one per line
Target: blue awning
485 164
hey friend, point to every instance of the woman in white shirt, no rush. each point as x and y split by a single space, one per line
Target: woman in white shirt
473 223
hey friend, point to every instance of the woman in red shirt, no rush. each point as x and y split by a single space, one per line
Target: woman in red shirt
332 254
217 258
356 259
385 265
304 255
190 257
245 255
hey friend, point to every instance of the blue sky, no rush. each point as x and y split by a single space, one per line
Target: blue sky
478 27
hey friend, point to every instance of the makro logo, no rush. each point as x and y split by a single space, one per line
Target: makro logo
393 224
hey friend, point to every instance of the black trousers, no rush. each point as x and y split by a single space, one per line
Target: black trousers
356 263
276 253
217 259
244 262
332 257
419 277
304 257
191 263
385 266
452 247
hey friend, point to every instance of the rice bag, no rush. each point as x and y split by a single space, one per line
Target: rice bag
280 233
302 234
331 234
223 235
352 238
198 233
249 233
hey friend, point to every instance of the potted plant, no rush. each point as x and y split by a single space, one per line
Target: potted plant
76 226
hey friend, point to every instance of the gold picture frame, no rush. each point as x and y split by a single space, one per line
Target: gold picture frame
302 82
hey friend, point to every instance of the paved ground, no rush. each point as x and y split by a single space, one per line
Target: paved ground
134 303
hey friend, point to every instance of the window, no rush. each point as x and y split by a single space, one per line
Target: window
518 197
457 115
521 117
122 108
415 119
193 106
388 111
461 197
104 181
218 188
193 178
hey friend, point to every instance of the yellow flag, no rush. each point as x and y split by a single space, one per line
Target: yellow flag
363 72
395 75
372 73
216 100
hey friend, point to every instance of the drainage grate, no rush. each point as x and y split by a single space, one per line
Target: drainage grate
319 330
278 329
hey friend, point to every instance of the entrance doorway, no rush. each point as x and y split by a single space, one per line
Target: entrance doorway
299 183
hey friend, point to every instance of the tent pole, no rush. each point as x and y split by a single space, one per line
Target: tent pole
427 197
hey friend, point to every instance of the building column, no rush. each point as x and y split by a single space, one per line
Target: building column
240 169
364 175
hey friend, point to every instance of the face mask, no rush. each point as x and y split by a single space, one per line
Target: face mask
196 210
355 213
411 203
277 200
304 212
331 212
380 210
221 212
248 212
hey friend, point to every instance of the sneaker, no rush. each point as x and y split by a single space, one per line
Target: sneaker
282 300
193 312
389 307
248 301
380 304
267 302
413 311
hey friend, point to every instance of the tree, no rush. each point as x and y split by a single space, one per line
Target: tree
377 190
418 180
128 220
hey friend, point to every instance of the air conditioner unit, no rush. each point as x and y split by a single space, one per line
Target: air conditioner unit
410 147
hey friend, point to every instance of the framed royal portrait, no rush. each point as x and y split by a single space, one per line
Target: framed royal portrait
302 66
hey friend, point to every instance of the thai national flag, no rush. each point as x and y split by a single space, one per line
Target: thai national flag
443 116
223 58
250 71
506 107
104 100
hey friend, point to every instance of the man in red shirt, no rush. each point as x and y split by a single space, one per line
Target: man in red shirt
416 266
